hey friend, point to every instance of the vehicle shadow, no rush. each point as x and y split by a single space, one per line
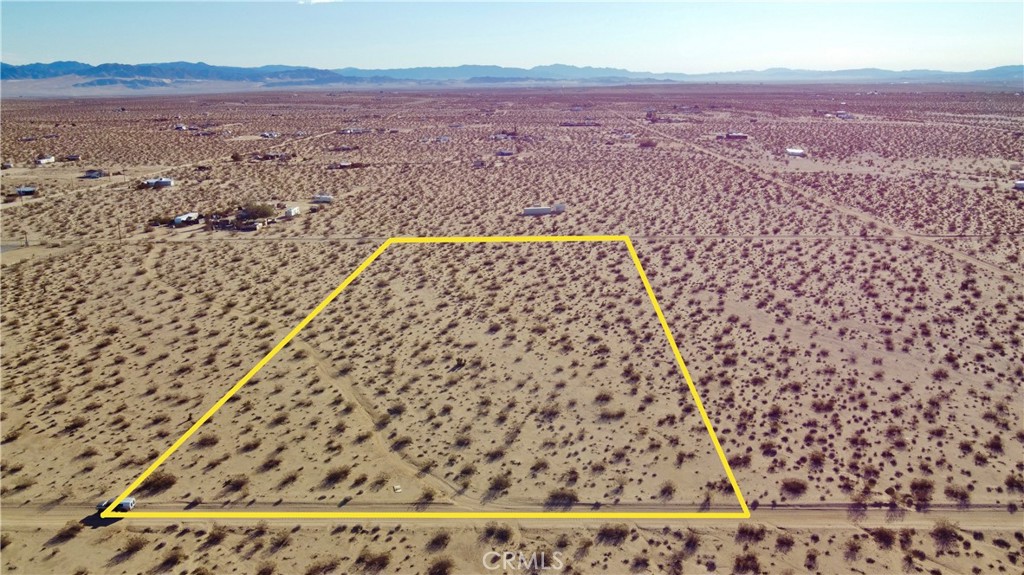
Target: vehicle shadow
94 521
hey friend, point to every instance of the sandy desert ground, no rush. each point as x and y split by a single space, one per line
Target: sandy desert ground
851 320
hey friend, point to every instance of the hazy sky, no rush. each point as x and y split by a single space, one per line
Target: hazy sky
659 37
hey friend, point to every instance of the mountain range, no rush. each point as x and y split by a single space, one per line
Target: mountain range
199 76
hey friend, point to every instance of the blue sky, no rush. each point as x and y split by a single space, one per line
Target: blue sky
691 37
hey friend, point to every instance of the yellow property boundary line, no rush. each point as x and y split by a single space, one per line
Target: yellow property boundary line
744 514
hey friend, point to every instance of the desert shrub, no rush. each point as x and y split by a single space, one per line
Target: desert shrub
691 542
134 544
5 540
335 475
611 414
885 538
614 535
373 562
440 566
499 483
266 568
216 535
746 563
324 566
922 490
561 498
236 483
207 440
158 482
173 557
747 533
258 211
945 535
784 542
1014 483
639 564
792 487
497 533
438 542
280 540
66 533
667 490
741 461
851 549
957 493
811 560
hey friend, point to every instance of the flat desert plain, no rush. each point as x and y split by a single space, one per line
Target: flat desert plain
851 321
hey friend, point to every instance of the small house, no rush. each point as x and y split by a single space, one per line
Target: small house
291 212
6 166
504 153
95 174
73 157
26 191
736 136
1018 185
42 160
323 199
796 152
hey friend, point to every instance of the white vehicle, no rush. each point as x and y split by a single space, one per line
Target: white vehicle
127 505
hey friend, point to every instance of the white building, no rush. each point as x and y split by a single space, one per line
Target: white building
43 160
796 152
291 212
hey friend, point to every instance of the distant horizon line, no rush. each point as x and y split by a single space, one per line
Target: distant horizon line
533 67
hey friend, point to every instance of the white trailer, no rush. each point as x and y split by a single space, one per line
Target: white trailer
291 212
189 218
537 211
796 152
158 183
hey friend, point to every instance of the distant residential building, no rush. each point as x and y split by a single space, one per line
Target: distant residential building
44 159
796 152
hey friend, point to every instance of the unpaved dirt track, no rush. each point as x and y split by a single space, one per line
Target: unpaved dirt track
791 517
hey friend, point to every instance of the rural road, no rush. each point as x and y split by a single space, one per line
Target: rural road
792 517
